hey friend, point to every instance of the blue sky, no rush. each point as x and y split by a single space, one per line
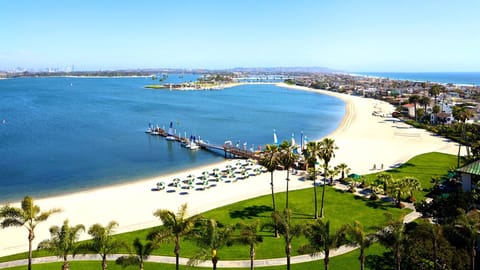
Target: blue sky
348 35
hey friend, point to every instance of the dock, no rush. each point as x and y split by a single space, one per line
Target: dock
228 149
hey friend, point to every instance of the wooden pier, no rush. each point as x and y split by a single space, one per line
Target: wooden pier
229 150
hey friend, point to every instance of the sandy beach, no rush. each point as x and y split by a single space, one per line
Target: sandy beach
364 140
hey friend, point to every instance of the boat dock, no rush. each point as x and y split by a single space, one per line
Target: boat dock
228 149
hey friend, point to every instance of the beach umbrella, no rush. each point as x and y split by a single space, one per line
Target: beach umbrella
176 180
160 185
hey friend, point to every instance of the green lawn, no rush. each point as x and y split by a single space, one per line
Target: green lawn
340 208
423 167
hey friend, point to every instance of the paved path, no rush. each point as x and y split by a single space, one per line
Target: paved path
223 264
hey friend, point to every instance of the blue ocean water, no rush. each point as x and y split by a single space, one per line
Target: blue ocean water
469 78
59 135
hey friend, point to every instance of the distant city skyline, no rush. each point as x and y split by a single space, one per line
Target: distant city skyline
352 36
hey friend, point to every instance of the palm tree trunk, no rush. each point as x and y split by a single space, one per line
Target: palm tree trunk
327 258
323 191
398 259
177 252
288 180
214 261
252 255
273 204
104 262
362 258
31 236
66 265
315 193
288 251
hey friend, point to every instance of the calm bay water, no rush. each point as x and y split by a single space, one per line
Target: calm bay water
58 135
468 78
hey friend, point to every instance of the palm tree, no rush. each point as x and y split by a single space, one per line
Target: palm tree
326 153
320 239
248 236
102 241
414 99
311 155
288 231
469 224
358 236
210 238
287 159
142 252
174 227
27 215
392 236
385 180
411 184
270 160
63 241
435 91
462 114
344 169
424 101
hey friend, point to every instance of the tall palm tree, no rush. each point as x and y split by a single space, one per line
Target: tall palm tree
287 159
210 237
270 160
435 90
102 241
344 169
311 155
28 215
462 114
424 101
320 239
392 236
63 241
414 99
358 236
288 231
142 252
174 227
385 180
326 153
469 224
249 236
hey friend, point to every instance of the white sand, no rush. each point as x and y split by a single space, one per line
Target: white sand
363 140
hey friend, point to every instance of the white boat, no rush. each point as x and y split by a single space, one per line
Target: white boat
193 146
170 135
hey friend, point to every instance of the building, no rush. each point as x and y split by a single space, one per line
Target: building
470 175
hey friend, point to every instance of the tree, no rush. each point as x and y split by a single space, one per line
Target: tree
414 99
210 237
270 160
411 184
287 159
27 215
424 101
344 169
174 227
102 241
142 252
384 179
392 236
435 90
288 231
320 239
326 153
63 241
248 236
311 155
358 236
469 225
462 114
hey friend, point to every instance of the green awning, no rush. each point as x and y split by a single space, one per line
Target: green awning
472 168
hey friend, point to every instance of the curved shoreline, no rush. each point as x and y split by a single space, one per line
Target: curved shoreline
363 140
